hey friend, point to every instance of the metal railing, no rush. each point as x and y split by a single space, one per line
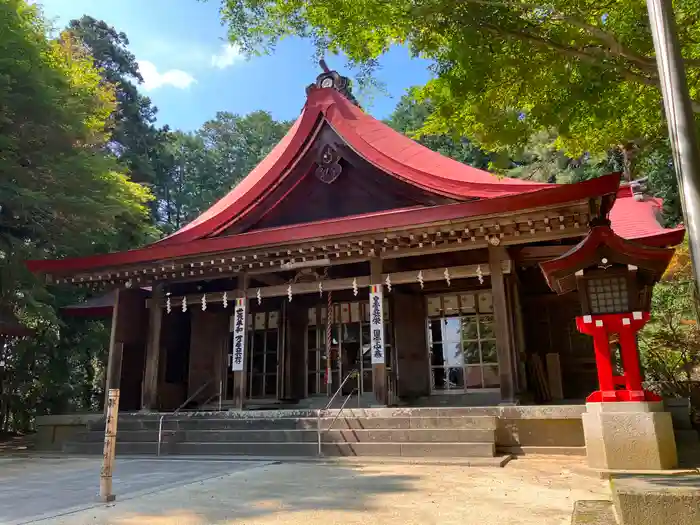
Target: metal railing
319 430
215 395
177 410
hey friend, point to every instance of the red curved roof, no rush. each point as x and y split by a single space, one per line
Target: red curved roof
586 253
397 156
639 220
378 143
554 194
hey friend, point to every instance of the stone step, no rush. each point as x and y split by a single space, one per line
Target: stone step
281 423
450 435
122 448
418 435
656 499
294 449
387 412
338 449
593 512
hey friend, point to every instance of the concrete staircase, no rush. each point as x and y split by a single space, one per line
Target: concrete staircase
416 432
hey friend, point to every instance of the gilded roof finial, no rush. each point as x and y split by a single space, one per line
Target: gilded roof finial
332 79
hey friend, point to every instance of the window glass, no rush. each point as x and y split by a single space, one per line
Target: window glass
461 337
452 329
486 323
471 352
488 352
469 328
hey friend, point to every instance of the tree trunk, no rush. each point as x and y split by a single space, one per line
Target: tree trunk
629 153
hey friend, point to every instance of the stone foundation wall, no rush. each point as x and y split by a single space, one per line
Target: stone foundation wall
520 430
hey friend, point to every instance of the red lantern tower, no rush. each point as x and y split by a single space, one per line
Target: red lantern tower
614 279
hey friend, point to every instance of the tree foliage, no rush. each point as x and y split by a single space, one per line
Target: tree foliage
504 70
410 116
60 193
134 139
206 164
670 343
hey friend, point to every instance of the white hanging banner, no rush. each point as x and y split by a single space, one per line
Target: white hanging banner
376 324
238 335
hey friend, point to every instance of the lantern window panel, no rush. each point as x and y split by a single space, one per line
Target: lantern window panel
608 295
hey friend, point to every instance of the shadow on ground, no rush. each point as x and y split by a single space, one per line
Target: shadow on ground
273 489
192 491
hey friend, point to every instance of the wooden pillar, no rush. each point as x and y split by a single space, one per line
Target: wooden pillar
240 378
503 325
519 337
128 334
116 350
153 350
378 370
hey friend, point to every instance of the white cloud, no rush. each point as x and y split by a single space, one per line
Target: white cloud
228 56
152 79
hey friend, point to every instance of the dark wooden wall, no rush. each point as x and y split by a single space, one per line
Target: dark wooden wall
550 327
411 345
295 355
209 338
174 363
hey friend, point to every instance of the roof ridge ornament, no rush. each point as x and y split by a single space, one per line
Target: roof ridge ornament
332 79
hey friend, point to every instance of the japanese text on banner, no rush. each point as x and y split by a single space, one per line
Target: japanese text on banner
376 324
239 326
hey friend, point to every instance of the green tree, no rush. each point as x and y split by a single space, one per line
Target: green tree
192 183
504 70
134 140
238 143
207 164
60 195
670 343
410 116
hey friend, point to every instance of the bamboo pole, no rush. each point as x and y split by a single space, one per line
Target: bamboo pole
106 494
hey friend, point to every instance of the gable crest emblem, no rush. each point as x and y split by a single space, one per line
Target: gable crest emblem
328 168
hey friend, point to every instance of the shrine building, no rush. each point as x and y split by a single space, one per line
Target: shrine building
354 256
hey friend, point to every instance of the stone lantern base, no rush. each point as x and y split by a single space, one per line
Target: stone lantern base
629 436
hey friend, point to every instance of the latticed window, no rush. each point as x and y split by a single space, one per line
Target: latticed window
350 345
608 295
462 341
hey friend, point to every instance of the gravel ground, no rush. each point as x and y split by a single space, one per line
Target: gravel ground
539 491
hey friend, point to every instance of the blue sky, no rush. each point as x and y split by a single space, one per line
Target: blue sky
191 72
